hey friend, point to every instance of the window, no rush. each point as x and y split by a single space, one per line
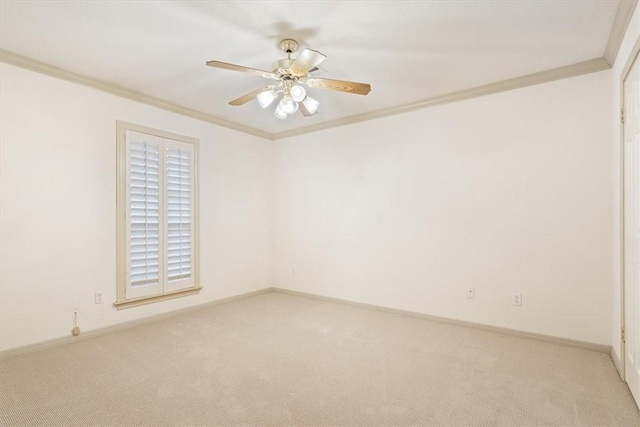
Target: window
157 223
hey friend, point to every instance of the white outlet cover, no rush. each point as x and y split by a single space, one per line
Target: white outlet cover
99 298
517 299
471 293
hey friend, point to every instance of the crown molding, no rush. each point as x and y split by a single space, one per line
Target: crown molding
618 30
591 66
621 22
586 67
40 67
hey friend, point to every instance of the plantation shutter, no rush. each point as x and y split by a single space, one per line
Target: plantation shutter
144 214
179 175
157 221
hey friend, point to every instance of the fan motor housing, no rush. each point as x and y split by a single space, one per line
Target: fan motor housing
282 67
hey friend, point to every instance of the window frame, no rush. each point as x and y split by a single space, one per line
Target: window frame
122 229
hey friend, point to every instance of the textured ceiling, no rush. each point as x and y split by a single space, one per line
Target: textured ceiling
407 51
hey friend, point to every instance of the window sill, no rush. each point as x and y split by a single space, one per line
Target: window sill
134 302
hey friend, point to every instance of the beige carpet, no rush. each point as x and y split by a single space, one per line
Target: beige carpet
277 359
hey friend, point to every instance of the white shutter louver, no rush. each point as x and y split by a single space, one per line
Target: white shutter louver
144 213
179 196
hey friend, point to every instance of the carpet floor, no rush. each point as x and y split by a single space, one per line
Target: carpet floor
278 359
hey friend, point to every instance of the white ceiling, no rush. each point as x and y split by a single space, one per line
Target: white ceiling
407 50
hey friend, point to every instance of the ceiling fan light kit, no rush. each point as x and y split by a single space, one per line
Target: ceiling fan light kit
280 114
288 105
266 98
298 93
290 75
311 104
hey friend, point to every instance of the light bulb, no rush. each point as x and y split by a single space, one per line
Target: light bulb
311 104
298 93
266 98
288 105
280 114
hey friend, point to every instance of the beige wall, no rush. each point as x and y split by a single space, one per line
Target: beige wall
630 41
58 183
512 192
506 193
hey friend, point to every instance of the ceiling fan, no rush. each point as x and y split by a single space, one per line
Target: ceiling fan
289 75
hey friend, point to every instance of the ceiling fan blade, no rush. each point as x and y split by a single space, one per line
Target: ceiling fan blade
248 97
307 60
339 85
234 67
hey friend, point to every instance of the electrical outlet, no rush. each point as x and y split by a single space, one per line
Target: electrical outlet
99 298
293 271
471 293
517 299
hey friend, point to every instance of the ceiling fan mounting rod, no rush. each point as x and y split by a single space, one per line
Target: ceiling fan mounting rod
282 69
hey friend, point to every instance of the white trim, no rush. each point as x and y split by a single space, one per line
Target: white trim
618 30
473 325
125 295
31 348
126 325
616 362
135 302
42 68
573 70
635 52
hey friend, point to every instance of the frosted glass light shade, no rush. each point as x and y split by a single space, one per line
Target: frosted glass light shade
288 105
280 114
266 98
298 93
311 104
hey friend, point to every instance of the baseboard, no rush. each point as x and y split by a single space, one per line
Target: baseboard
30 348
126 325
616 362
497 329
